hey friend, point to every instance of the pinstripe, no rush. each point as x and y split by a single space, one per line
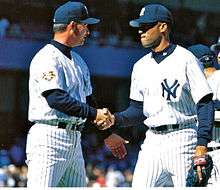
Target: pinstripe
214 82
216 134
62 141
168 159
170 91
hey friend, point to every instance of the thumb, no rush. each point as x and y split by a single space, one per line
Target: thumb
105 110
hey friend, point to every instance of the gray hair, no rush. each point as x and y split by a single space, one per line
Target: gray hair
59 27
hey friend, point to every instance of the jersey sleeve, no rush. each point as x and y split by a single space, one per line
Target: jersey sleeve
197 82
48 73
218 86
135 89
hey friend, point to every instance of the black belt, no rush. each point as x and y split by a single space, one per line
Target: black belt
213 148
73 127
164 128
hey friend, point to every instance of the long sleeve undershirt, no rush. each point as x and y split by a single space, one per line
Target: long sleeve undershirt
60 100
132 116
205 113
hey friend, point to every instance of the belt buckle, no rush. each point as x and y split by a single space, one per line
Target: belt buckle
156 131
76 127
169 128
69 126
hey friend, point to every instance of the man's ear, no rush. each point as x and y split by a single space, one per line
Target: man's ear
72 26
163 27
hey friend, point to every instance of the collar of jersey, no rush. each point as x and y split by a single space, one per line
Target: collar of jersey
160 56
63 48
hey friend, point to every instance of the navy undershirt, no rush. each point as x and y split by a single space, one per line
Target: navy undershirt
64 49
132 116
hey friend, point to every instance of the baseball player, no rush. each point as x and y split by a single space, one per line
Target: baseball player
170 93
59 87
208 61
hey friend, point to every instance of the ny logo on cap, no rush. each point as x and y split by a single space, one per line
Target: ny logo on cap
171 90
86 10
142 11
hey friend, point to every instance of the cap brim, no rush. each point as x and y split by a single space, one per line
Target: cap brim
90 21
142 20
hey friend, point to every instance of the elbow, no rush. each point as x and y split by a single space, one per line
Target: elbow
52 102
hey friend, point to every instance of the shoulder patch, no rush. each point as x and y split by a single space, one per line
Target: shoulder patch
48 76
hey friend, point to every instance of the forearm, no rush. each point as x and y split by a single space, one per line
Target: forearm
63 102
205 112
132 116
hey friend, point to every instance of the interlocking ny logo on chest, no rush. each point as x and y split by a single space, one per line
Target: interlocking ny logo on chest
169 89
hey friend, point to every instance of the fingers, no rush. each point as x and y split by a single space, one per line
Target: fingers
119 152
106 111
104 119
199 173
116 144
126 142
102 125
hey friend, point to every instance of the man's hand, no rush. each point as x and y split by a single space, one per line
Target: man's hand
199 161
116 144
201 168
104 119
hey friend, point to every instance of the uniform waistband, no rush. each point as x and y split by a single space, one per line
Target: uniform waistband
73 127
169 128
213 148
63 124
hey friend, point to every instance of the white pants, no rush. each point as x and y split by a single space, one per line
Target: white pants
215 154
54 157
164 159
215 176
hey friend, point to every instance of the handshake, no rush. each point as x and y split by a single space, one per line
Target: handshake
104 119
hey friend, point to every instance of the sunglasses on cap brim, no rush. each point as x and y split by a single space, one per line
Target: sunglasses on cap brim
146 26
207 60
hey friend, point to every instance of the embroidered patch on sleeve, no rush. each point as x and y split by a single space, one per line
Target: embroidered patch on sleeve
48 76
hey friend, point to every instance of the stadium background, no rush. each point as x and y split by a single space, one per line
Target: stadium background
110 52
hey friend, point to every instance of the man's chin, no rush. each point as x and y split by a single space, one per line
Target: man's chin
147 45
81 44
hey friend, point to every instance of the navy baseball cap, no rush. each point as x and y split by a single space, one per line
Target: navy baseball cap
204 54
152 13
73 11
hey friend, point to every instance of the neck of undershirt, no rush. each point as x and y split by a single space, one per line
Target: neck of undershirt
160 56
63 48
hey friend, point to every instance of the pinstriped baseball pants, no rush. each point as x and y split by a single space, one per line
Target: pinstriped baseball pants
214 180
54 157
164 159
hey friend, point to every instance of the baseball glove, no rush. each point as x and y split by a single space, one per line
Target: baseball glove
206 164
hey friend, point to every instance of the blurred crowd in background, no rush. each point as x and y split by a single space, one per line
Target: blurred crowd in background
191 26
18 19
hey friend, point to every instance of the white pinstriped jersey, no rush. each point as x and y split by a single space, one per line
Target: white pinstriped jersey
214 83
169 89
51 69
